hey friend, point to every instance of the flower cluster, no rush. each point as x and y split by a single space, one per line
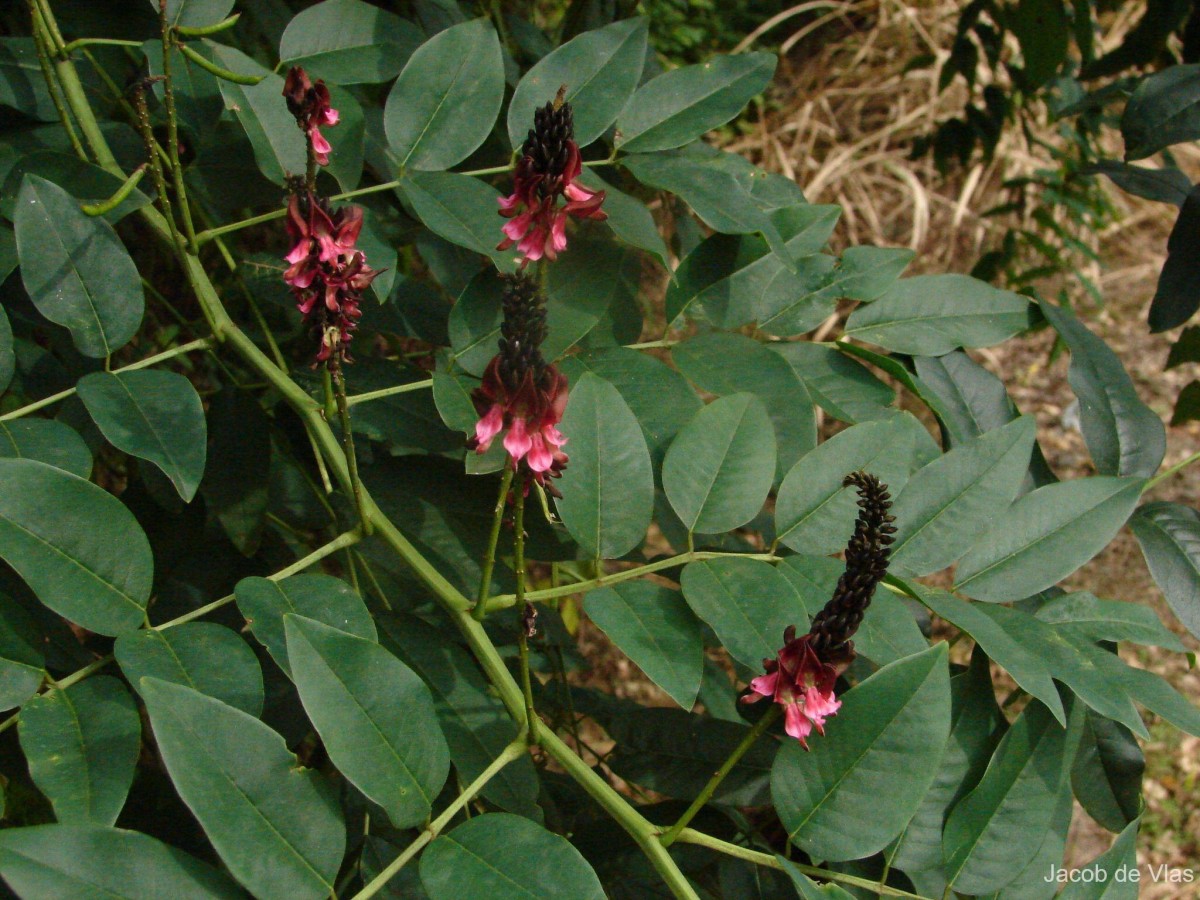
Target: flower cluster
799 682
549 166
310 104
802 676
327 273
520 391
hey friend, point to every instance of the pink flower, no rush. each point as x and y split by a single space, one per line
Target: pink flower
309 103
327 273
799 682
549 166
530 413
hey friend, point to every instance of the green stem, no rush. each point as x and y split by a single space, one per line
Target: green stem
455 604
531 719
512 752
751 737
355 399
489 556
201 344
44 52
503 601
185 213
1167 473
700 839
652 345
98 42
107 206
339 385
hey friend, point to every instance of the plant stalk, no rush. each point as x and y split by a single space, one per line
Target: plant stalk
489 557
749 740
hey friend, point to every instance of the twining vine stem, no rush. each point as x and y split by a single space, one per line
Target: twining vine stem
489 556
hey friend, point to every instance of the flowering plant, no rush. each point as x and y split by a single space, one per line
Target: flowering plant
281 619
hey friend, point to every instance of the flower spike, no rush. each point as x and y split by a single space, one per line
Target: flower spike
550 164
802 675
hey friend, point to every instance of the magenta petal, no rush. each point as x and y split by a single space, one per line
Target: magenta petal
517 441
796 723
539 457
488 427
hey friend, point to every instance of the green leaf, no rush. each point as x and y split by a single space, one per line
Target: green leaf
679 106
1112 869
929 315
48 441
76 270
349 42
86 182
582 286
474 322
629 218
1043 31
476 725
865 273
90 862
888 631
975 720
1107 773
374 715
1169 535
329 600
204 656
280 148
730 281
1177 296
894 367
949 504
1026 667
747 602
153 415
608 488
274 825
718 189
600 70
814 513
82 746
1151 691
1108 620
94 566
22 663
443 105
660 398
719 468
1163 110
1046 535
839 385
1124 436
674 752
809 889
502 855
655 628
985 841
460 209
8 359
843 800
195 13
725 364
22 84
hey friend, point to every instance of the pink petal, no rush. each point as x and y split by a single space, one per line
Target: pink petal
539 458
517 441
764 685
299 252
488 427
330 116
553 436
578 192
516 229
509 205
558 233
797 724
